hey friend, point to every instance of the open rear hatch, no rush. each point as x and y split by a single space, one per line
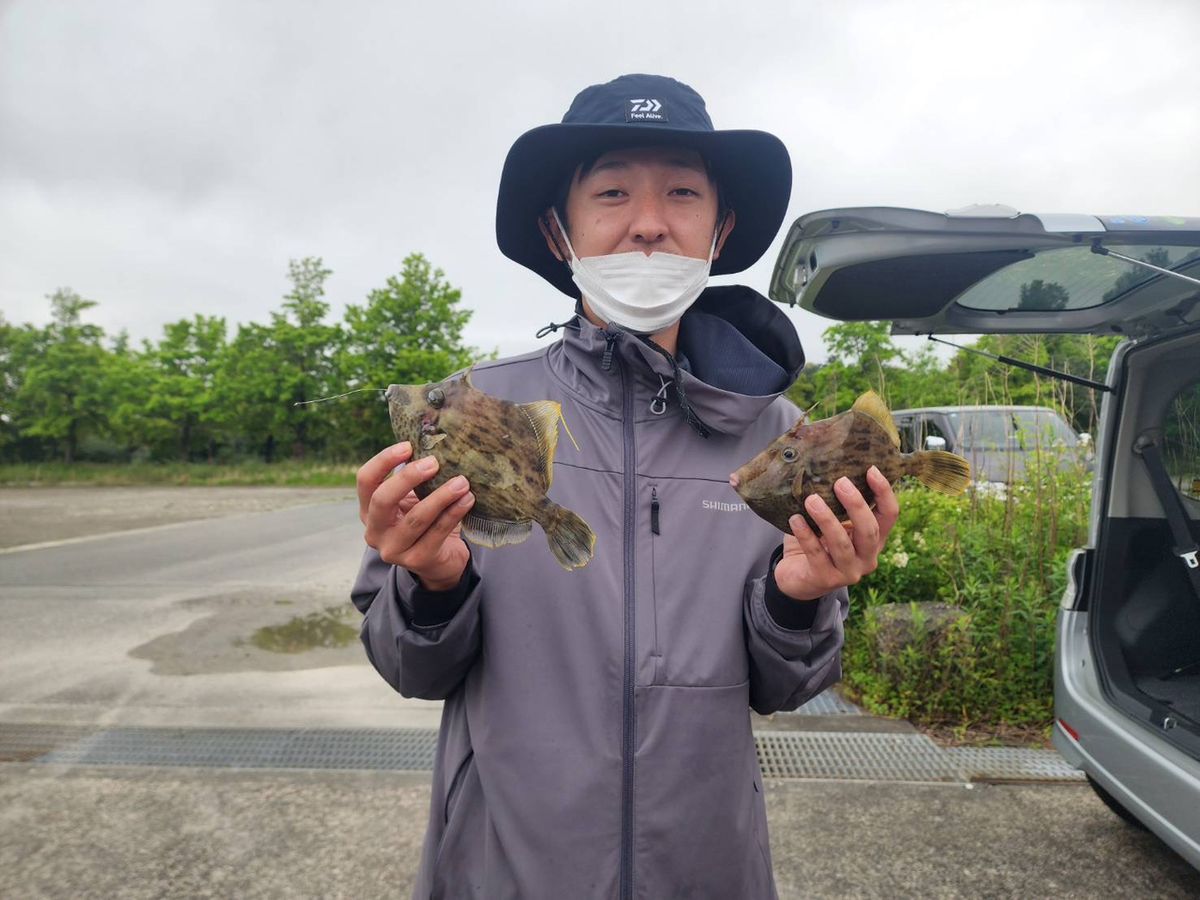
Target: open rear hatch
993 270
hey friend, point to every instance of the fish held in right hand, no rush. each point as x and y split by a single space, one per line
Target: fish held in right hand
810 457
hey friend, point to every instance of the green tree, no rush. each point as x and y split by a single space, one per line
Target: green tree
163 397
981 380
61 397
408 332
307 349
268 369
864 357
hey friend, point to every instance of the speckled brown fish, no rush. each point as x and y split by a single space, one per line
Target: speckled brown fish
810 457
505 450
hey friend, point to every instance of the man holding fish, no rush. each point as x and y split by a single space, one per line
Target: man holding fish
596 737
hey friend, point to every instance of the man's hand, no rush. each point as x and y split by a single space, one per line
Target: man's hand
813 566
423 536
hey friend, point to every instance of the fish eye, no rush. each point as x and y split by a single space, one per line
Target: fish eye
789 454
436 398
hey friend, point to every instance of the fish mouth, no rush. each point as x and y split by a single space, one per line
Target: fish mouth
734 481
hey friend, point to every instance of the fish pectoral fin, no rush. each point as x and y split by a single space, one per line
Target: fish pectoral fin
543 418
494 532
798 486
871 404
429 441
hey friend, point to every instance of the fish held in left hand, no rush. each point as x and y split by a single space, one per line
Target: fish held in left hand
504 449
811 456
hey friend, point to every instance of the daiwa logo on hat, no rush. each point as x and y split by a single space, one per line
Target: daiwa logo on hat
645 109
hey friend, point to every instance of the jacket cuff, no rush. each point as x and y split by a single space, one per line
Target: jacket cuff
787 612
431 608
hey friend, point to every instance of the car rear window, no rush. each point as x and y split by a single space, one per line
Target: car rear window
1073 277
1011 429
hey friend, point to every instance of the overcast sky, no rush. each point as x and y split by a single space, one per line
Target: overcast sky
169 158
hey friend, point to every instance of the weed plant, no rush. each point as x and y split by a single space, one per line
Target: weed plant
999 557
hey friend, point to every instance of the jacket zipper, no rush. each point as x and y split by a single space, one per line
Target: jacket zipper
628 710
654 511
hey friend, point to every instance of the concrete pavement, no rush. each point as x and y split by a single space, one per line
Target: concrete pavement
170 627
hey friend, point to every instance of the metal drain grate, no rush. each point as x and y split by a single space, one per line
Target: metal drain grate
22 742
828 703
384 749
863 756
1011 764
868 756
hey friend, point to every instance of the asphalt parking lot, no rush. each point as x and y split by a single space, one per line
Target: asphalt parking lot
118 645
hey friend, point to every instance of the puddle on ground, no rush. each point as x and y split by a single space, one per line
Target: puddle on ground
327 628
260 631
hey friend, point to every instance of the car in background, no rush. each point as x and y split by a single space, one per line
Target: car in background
1127 656
1000 442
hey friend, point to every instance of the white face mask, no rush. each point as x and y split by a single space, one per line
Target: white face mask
640 293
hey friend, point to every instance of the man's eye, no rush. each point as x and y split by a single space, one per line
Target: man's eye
611 192
686 192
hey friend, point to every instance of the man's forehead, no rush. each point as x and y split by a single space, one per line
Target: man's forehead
672 157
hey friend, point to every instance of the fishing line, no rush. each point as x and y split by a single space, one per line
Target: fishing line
339 396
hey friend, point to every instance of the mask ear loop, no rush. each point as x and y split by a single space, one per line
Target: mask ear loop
569 255
716 234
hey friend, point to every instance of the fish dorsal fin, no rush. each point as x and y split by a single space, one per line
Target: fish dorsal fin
467 378
871 404
543 416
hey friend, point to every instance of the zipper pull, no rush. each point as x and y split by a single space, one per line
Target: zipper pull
654 510
609 341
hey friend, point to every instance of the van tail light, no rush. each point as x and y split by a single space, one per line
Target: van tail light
1069 730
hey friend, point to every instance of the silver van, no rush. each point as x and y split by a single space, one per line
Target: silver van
998 441
1127 659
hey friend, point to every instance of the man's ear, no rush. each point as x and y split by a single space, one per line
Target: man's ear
727 224
548 226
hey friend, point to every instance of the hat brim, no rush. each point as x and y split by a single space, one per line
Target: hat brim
752 168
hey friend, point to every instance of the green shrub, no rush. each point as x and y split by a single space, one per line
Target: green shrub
998 556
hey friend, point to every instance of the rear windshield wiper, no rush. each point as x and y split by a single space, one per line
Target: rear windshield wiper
1028 366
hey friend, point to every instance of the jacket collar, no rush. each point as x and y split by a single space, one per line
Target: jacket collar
740 353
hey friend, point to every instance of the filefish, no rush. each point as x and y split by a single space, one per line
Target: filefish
810 456
505 450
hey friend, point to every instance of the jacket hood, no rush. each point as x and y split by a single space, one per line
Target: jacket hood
737 353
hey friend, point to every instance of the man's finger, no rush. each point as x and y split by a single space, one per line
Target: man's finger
836 541
383 503
810 544
865 533
424 515
427 546
375 471
887 506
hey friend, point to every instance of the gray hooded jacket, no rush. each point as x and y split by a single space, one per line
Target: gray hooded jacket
595 738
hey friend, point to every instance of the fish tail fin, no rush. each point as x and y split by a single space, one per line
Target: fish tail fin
571 540
945 472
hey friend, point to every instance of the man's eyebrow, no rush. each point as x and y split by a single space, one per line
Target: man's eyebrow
617 165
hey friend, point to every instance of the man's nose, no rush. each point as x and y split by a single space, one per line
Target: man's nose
649 224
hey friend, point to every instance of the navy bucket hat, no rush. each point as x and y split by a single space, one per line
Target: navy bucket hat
752 167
